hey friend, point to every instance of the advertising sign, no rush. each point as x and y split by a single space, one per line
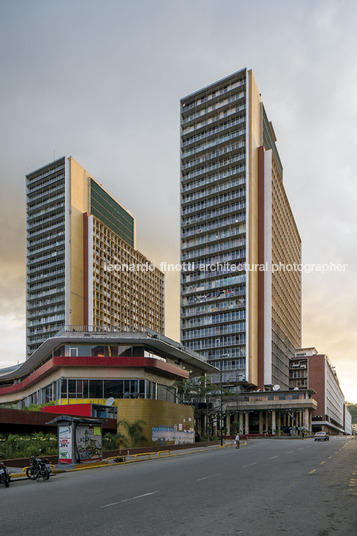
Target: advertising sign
65 443
88 443
164 434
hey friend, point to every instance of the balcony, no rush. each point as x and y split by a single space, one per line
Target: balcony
212 143
221 187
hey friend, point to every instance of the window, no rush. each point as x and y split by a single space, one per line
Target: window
98 351
73 351
96 389
72 389
113 388
64 388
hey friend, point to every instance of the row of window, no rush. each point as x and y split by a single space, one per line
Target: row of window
210 119
213 142
217 283
82 389
204 239
223 329
214 154
216 342
229 316
216 224
220 187
214 213
214 307
211 131
215 106
219 293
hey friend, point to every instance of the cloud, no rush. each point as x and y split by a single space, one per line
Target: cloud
104 84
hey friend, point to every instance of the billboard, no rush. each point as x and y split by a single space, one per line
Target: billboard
65 443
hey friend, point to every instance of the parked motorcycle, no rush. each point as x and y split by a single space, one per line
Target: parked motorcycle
4 475
38 468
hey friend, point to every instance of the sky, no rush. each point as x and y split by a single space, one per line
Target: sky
101 81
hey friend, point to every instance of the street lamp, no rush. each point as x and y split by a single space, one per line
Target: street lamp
221 417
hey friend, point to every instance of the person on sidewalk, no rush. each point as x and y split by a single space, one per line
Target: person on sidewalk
237 441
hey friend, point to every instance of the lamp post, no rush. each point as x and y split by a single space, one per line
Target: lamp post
221 416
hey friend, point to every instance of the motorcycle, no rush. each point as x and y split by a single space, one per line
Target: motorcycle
4 475
38 468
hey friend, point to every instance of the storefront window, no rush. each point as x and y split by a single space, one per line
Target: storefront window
96 389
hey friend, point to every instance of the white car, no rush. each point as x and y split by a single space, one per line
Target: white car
321 436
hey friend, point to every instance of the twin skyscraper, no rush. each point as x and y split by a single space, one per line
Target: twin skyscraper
234 213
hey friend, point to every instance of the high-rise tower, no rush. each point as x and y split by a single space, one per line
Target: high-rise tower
234 212
82 268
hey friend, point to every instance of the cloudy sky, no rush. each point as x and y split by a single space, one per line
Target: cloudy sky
101 81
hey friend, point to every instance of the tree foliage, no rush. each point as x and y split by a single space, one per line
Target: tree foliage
132 431
353 410
16 446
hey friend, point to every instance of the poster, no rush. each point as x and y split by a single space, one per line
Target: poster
88 443
164 434
65 443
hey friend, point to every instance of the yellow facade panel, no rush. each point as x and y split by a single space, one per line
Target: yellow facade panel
255 141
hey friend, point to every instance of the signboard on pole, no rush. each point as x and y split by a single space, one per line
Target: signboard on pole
65 446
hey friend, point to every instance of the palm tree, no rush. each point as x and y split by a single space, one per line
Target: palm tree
133 431
112 441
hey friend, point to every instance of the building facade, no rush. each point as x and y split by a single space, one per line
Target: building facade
78 237
311 370
81 367
235 218
347 420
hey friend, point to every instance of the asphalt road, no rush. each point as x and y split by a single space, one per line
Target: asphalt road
267 488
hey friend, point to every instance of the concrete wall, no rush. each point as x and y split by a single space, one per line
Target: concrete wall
155 413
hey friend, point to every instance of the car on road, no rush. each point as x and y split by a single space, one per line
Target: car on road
321 436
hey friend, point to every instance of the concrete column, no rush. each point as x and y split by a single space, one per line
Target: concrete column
284 419
228 424
273 421
261 418
241 418
279 418
215 424
310 421
306 419
247 422
204 424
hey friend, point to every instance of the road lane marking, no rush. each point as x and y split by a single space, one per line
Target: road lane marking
322 463
139 496
289 451
311 472
330 457
272 458
130 499
111 504
205 477
249 464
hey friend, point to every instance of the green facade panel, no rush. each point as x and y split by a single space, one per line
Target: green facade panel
269 142
109 212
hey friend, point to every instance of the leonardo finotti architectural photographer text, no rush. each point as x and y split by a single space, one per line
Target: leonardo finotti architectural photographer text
228 267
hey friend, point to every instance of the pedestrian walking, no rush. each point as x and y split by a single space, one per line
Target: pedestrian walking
237 441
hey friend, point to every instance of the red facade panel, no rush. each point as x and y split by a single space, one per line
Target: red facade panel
316 364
